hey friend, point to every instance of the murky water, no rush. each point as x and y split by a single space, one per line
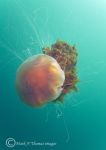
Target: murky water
27 26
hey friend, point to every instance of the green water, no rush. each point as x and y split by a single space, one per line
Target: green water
25 27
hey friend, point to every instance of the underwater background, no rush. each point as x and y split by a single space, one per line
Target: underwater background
25 27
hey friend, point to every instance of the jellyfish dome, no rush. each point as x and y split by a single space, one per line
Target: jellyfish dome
48 76
39 80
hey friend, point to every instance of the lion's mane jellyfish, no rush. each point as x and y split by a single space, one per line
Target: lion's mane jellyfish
39 80
49 76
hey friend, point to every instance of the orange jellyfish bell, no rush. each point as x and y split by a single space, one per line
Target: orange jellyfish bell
39 80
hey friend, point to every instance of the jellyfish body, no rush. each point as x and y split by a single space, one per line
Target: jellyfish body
39 80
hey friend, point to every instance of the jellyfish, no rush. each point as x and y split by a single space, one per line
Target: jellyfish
49 76
39 80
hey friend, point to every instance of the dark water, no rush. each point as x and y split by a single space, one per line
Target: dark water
25 27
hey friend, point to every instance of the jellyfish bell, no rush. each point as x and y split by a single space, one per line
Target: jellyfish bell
49 76
39 80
